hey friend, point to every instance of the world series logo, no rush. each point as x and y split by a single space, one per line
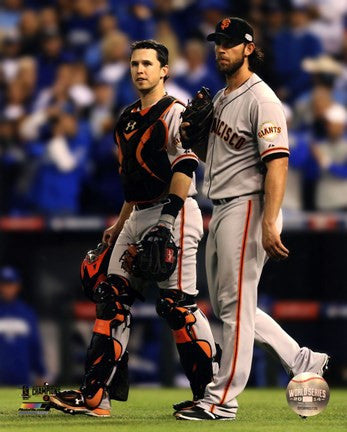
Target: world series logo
308 394
37 407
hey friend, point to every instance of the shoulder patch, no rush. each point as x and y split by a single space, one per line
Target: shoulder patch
268 131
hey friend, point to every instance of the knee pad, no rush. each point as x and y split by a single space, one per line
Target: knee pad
194 348
114 298
172 307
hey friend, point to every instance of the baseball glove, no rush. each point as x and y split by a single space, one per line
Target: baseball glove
199 113
153 258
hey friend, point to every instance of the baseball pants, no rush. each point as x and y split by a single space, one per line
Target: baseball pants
234 262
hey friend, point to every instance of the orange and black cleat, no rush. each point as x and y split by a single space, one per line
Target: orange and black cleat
72 402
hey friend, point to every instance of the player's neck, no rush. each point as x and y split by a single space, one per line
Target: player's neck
237 79
152 96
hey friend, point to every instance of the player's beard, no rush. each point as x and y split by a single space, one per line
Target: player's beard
230 70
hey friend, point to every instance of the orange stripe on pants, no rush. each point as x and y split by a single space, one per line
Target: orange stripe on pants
179 270
239 292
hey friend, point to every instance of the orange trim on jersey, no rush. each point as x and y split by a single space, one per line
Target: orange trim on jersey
179 270
143 111
145 137
166 132
130 134
185 156
120 154
168 108
102 327
275 149
238 312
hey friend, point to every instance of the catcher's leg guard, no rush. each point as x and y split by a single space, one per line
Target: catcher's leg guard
192 335
109 341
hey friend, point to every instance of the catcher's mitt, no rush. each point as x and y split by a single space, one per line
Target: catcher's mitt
153 258
199 113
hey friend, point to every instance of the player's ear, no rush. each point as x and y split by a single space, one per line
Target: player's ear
164 71
249 49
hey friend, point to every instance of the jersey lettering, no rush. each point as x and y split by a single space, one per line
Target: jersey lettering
220 128
269 131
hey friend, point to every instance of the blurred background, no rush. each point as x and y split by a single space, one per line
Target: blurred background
63 81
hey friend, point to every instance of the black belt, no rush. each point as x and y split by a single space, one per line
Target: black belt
227 200
147 205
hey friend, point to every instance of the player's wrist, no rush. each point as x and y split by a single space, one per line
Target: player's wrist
171 208
167 221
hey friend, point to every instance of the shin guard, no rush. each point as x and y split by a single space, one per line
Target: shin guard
107 350
193 337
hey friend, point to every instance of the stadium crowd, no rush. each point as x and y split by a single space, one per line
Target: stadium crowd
64 79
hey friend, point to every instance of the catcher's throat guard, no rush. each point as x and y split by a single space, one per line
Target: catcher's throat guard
151 260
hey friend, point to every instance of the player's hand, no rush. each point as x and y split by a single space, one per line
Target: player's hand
272 242
111 234
183 130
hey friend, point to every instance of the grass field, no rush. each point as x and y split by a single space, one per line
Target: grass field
150 410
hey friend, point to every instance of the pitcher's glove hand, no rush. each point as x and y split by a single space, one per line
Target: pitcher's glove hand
199 114
154 257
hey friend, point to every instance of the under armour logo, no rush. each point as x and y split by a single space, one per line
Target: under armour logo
130 126
77 401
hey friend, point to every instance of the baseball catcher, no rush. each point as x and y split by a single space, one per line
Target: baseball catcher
155 238
106 369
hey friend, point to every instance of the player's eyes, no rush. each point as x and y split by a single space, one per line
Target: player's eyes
224 43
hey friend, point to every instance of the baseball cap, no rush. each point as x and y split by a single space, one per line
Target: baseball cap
9 274
235 29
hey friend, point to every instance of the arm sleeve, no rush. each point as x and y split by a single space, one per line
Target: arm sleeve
182 160
271 130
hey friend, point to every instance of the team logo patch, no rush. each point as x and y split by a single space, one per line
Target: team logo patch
130 126
225 23
268 131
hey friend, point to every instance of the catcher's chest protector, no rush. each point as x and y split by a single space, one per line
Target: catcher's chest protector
142 138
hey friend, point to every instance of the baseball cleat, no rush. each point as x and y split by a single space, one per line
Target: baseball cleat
197 414
184 405
72 402
325 365
321 372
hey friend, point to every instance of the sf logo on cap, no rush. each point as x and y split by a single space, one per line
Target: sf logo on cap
225 23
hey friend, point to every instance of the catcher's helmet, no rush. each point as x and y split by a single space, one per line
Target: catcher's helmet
94 268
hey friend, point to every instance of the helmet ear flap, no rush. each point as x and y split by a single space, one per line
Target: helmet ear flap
94 268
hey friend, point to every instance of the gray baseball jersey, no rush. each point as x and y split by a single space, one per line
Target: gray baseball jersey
249 124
